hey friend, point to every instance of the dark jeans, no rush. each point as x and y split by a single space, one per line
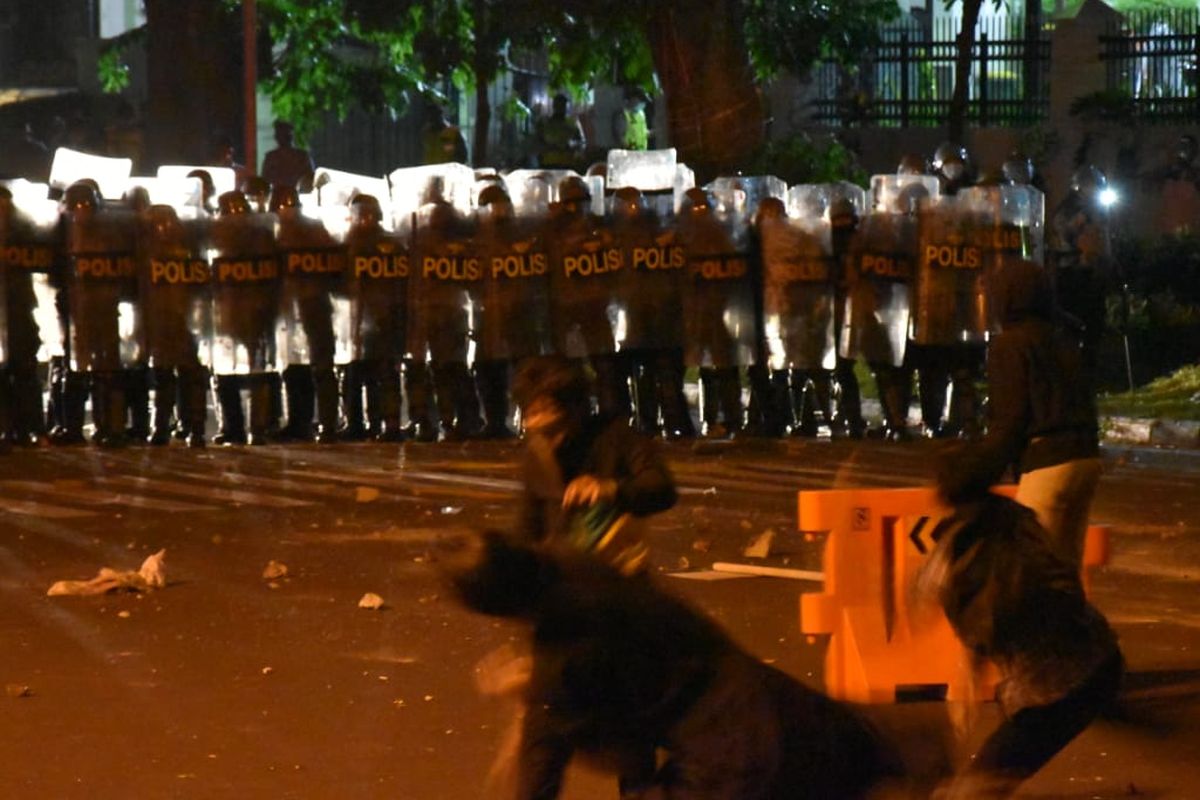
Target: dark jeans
1024 743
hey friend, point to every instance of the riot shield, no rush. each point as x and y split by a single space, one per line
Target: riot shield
950 295
174 283
245 275
33 329
880 271
445 276
1011 218
651 287
101 288
798 292
585 268
718 294
311 266
414 188
376 285
514 318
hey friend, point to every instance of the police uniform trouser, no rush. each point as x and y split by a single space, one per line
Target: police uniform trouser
721 397
894 385
811 392
492 379
849 398
137 398
417 390
181 389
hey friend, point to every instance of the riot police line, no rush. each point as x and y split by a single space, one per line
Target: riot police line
394 308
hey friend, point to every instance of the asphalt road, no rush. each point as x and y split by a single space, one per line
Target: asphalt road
225 684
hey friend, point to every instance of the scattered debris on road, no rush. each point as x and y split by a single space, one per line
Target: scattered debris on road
275 570
17 690
149 576
371 601
366 494
760 547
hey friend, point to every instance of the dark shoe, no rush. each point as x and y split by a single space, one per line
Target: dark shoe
258 439
229 439
326 436
64 436
160 437
715 431
389 434
354 433
422 432
196 441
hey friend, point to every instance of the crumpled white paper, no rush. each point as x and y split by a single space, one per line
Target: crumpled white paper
150 576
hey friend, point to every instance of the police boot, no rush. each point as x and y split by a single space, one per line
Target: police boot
645 377
847 417
417 388
963 420
383 404
56 407
804 404
299 391
931 388
260 411
6 410
108 408
72 408
756 409
274 383
612 386
137 398
165 390
729 386
466 403
28 419
445 387
229 405
354 381
893 403
492 380
192 410
710 409
677 417
325 383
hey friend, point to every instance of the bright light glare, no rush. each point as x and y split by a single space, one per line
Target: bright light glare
1108 197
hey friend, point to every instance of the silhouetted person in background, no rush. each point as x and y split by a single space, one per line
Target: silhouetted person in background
288 165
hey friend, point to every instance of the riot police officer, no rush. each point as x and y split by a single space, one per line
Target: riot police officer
174 283
651 292
34 335
245 307
311 266
718 310
880 271
101 275
950 320
514 321
377 271
445 277
585 268
798 297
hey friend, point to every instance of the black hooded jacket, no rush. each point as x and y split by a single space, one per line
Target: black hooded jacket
1041 405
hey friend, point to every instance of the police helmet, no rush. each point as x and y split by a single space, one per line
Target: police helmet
284 197
234 202
599 168
627 202
951 161
912 164
440 216
136 198
162 219
365 210
493 193
842 211
82 195
573 189
769 208
1018 169
1088 181
697 199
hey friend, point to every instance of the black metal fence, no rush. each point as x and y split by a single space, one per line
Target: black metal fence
908 80
1152 65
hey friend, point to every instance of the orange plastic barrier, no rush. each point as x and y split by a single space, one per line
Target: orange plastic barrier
882 642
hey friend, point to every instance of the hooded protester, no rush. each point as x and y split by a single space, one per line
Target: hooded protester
621 669
1013 600
1042 413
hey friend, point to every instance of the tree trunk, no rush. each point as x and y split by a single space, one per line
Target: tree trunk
956 121
714 111
194 66
483 119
